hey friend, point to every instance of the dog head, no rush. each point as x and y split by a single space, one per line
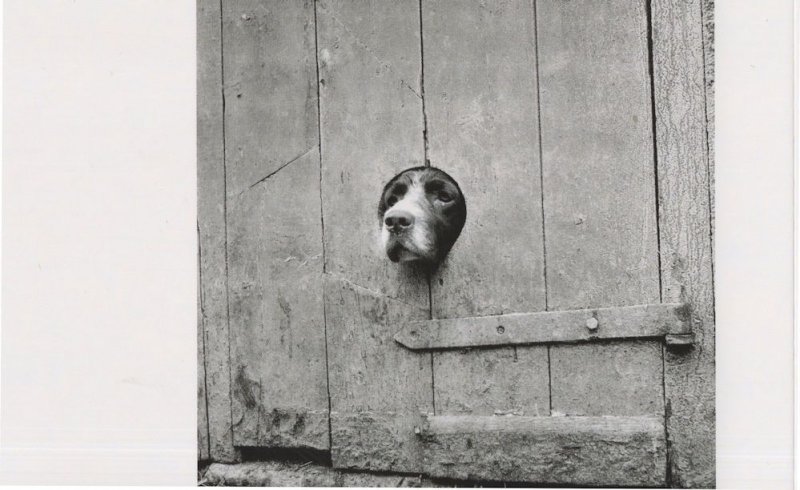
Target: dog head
421 213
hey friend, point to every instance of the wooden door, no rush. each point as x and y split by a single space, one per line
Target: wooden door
568 337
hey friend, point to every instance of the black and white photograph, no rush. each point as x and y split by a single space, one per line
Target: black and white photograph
456 243
400 243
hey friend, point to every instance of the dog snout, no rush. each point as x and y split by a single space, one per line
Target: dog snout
397 221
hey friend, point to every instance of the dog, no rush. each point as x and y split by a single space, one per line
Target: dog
421 213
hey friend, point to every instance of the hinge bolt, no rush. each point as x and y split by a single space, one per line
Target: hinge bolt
592 323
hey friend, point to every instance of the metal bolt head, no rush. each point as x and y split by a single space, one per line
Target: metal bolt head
592 323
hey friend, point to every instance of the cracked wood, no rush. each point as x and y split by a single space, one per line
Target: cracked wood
481 106
599 197
372 128
213 322
275 249
686 229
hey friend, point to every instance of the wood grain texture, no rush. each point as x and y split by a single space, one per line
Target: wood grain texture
372 128
378 441
278 335
616 451
499 380
202 406
616 378
211 230
640 321
599 196
686 255
274 228
480 100
292 428
707 10
302 474
369 372
270 87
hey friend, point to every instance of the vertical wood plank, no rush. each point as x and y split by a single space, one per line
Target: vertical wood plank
211 230
707 13
274 226
369 62
372 127
685 227
599 196
481 104
497 381
612 378
202 407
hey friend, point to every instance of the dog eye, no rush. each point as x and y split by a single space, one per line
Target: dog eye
444 197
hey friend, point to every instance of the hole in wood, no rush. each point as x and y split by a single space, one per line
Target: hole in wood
500 329
421 212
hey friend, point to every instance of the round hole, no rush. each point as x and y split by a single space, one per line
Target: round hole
500 329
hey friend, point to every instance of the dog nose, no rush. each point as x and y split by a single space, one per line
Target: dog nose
398 220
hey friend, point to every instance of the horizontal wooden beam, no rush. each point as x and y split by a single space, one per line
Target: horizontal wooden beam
590 451
545 327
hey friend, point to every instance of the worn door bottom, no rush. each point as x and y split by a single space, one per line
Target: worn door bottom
604 451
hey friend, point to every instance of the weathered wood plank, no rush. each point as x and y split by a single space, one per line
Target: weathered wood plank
303 474
492 381
372 127
599 195
270 87
274 228
597 145
369 372
480 99
707 12
380 441
211 230
293 428
685 227
202 407
613 451
640 321
616 378
278 336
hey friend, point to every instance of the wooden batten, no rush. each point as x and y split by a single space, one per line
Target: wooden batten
617 451
547 327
